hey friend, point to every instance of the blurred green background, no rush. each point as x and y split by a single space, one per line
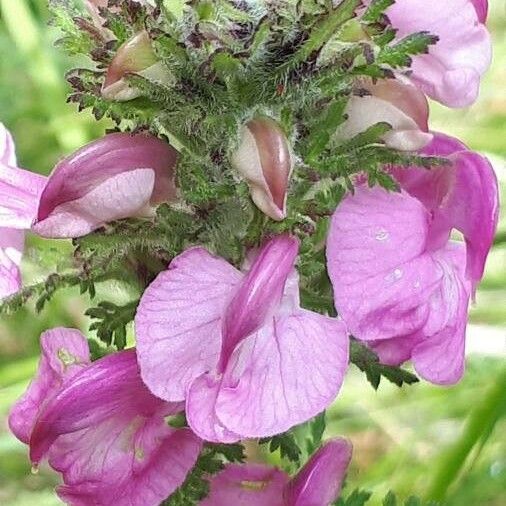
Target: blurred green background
422 440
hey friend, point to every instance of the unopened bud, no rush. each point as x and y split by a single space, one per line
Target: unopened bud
135 56
397 102
264 159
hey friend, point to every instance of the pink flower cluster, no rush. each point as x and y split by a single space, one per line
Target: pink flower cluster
233 348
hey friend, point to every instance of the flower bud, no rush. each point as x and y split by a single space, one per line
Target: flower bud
264 159
135 56
395 101
115 177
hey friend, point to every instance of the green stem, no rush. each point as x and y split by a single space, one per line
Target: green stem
480 425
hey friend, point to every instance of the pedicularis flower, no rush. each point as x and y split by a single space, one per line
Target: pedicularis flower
19 195
397 102
118 176
238 347
400 283
452 70
135 56
318 483
265 160
100 427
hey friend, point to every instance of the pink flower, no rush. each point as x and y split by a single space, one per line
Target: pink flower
238 347
395 101
452 70
100 427
115 177
264 159
399 282
19 195
318 483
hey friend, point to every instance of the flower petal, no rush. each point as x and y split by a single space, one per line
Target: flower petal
106 433
179 320
247 485
19 196
286 373
376 262
319 482
114 154
481 7
364 112
260 292
115 476
201 411
121 196
464 196
64 353
439 357
264 159
473 208
451 71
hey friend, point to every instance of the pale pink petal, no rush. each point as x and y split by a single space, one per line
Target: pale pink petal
104 158
19 196
418 306
64 353
464 196
179 320
366 111
439 357
105 180
319 482
452 70
397 350
121 196
260 293
247 485
375 260
201 411
105 432
7 148
473 208
287 372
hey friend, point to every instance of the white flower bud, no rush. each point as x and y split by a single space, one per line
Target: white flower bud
395 101
264 159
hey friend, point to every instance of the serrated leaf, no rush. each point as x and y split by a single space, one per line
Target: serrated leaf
376 10
367 361
400 53
286 444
